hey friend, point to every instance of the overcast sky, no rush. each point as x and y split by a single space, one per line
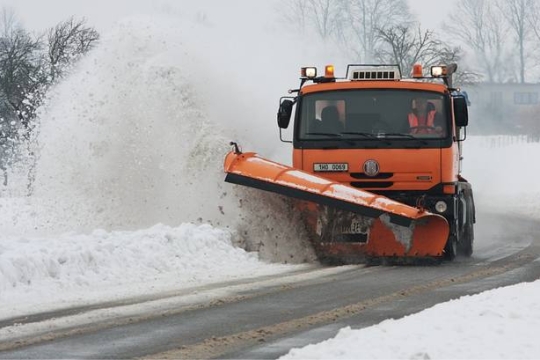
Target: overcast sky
39 14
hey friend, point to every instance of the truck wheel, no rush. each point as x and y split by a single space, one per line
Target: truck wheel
450 250
465 247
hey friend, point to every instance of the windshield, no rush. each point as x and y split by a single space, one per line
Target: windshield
373 114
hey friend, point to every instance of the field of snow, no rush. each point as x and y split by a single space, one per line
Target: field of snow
129 198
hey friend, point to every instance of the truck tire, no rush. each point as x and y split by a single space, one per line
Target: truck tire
465 246
450 250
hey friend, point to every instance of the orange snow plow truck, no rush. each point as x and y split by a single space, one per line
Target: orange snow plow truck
376 164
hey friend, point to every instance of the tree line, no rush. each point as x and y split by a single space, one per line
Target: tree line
29 65
495 38
502 35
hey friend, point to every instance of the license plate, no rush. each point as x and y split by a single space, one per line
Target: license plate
331 167
356 227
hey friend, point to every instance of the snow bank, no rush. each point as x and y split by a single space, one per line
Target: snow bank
54 272
498 324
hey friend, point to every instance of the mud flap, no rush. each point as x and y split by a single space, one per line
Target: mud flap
389 228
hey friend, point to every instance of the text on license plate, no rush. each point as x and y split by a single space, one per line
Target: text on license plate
331 167
355 228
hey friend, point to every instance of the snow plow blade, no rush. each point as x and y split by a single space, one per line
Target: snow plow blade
387 228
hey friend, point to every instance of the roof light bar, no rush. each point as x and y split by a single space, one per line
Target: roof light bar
373 72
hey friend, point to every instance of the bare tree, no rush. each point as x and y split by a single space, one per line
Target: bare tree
517 13
19 76
454 55
364 19
28 67
293 14
408 45
19 70
533 25
533 19
324 17
67 42
482 28
26 71
8 135
354 24
9 22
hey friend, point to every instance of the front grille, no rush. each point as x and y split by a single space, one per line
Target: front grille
362 176
372 184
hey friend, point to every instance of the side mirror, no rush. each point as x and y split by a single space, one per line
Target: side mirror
284 113
460 111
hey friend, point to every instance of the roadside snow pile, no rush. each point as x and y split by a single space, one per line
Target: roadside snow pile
497 324
504 173
54 272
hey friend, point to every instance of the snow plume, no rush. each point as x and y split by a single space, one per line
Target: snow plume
118 134
137 135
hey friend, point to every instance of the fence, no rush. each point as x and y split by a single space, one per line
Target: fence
497 141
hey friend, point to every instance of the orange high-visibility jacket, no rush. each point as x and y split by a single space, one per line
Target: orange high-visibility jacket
430 121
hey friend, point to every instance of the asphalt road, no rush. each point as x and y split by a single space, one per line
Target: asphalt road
265 318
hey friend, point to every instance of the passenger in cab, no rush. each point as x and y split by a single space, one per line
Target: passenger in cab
424 118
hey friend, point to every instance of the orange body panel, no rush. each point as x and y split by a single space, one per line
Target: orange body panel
411 167
449 165
402 84
428 240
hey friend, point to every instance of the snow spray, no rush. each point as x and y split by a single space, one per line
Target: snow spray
137 134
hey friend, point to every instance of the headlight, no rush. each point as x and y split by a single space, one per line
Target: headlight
441 206
308 72
438 71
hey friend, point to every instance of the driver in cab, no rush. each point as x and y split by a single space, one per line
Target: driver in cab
424 118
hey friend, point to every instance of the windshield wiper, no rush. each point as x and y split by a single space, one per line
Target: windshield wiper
368 135
409 136
324 134
406 136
